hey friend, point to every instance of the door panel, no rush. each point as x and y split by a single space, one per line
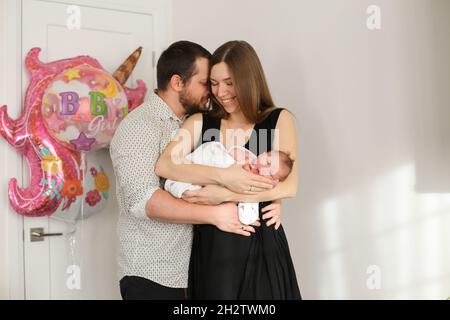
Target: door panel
109 36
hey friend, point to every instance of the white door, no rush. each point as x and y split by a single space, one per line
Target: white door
109 35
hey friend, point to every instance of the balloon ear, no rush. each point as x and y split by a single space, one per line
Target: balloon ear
126 68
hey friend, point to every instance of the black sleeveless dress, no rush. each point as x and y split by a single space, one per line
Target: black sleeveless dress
229 266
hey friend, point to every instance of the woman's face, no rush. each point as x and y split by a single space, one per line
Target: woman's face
222 87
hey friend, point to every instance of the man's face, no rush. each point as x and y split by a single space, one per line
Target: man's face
195 94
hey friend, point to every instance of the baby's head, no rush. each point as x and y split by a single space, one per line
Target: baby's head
276 164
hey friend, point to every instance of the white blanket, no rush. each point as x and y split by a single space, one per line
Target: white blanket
214 154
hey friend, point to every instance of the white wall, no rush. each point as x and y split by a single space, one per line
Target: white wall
11 255
373 147
3 220
370 107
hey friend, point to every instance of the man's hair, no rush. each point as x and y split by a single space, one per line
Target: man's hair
179 59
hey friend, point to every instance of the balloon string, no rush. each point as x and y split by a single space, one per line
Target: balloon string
83 177
72 233
72 242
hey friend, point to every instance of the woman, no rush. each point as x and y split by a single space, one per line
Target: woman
225 265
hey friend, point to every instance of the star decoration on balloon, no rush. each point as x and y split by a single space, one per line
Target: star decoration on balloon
72 74
83 142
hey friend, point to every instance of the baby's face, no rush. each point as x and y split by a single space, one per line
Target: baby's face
268 164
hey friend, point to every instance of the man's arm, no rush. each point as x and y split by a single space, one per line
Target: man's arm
164 207
134 152
213 194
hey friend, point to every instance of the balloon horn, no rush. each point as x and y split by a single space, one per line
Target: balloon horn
124 71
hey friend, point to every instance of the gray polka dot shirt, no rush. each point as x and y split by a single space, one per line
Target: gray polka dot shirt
147 248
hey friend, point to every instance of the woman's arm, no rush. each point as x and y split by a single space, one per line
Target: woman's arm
173 165
285 140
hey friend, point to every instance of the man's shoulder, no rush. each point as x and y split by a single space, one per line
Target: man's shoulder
141 116
140 122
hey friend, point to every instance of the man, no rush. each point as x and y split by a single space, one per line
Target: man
155 229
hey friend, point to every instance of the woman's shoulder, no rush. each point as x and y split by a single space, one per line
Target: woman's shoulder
202 116
269 113
275 115
281 111
285 117
278 117
195 116
285 113
286 122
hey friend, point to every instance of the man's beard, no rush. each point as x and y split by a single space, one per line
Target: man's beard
189 104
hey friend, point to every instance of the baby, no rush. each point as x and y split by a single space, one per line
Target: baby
274 164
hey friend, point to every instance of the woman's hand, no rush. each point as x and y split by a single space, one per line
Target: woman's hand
237 179
273 212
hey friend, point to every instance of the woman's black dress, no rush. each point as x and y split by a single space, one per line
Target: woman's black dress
230 266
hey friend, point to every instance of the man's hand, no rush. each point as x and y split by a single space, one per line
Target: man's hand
273 212
210 195
239 180
225 218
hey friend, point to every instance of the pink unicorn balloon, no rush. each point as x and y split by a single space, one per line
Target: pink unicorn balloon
71 106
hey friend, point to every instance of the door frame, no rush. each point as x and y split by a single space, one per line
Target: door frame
12 275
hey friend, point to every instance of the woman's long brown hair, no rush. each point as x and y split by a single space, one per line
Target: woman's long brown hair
249 81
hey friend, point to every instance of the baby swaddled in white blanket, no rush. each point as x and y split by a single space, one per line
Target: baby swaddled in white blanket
214 154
